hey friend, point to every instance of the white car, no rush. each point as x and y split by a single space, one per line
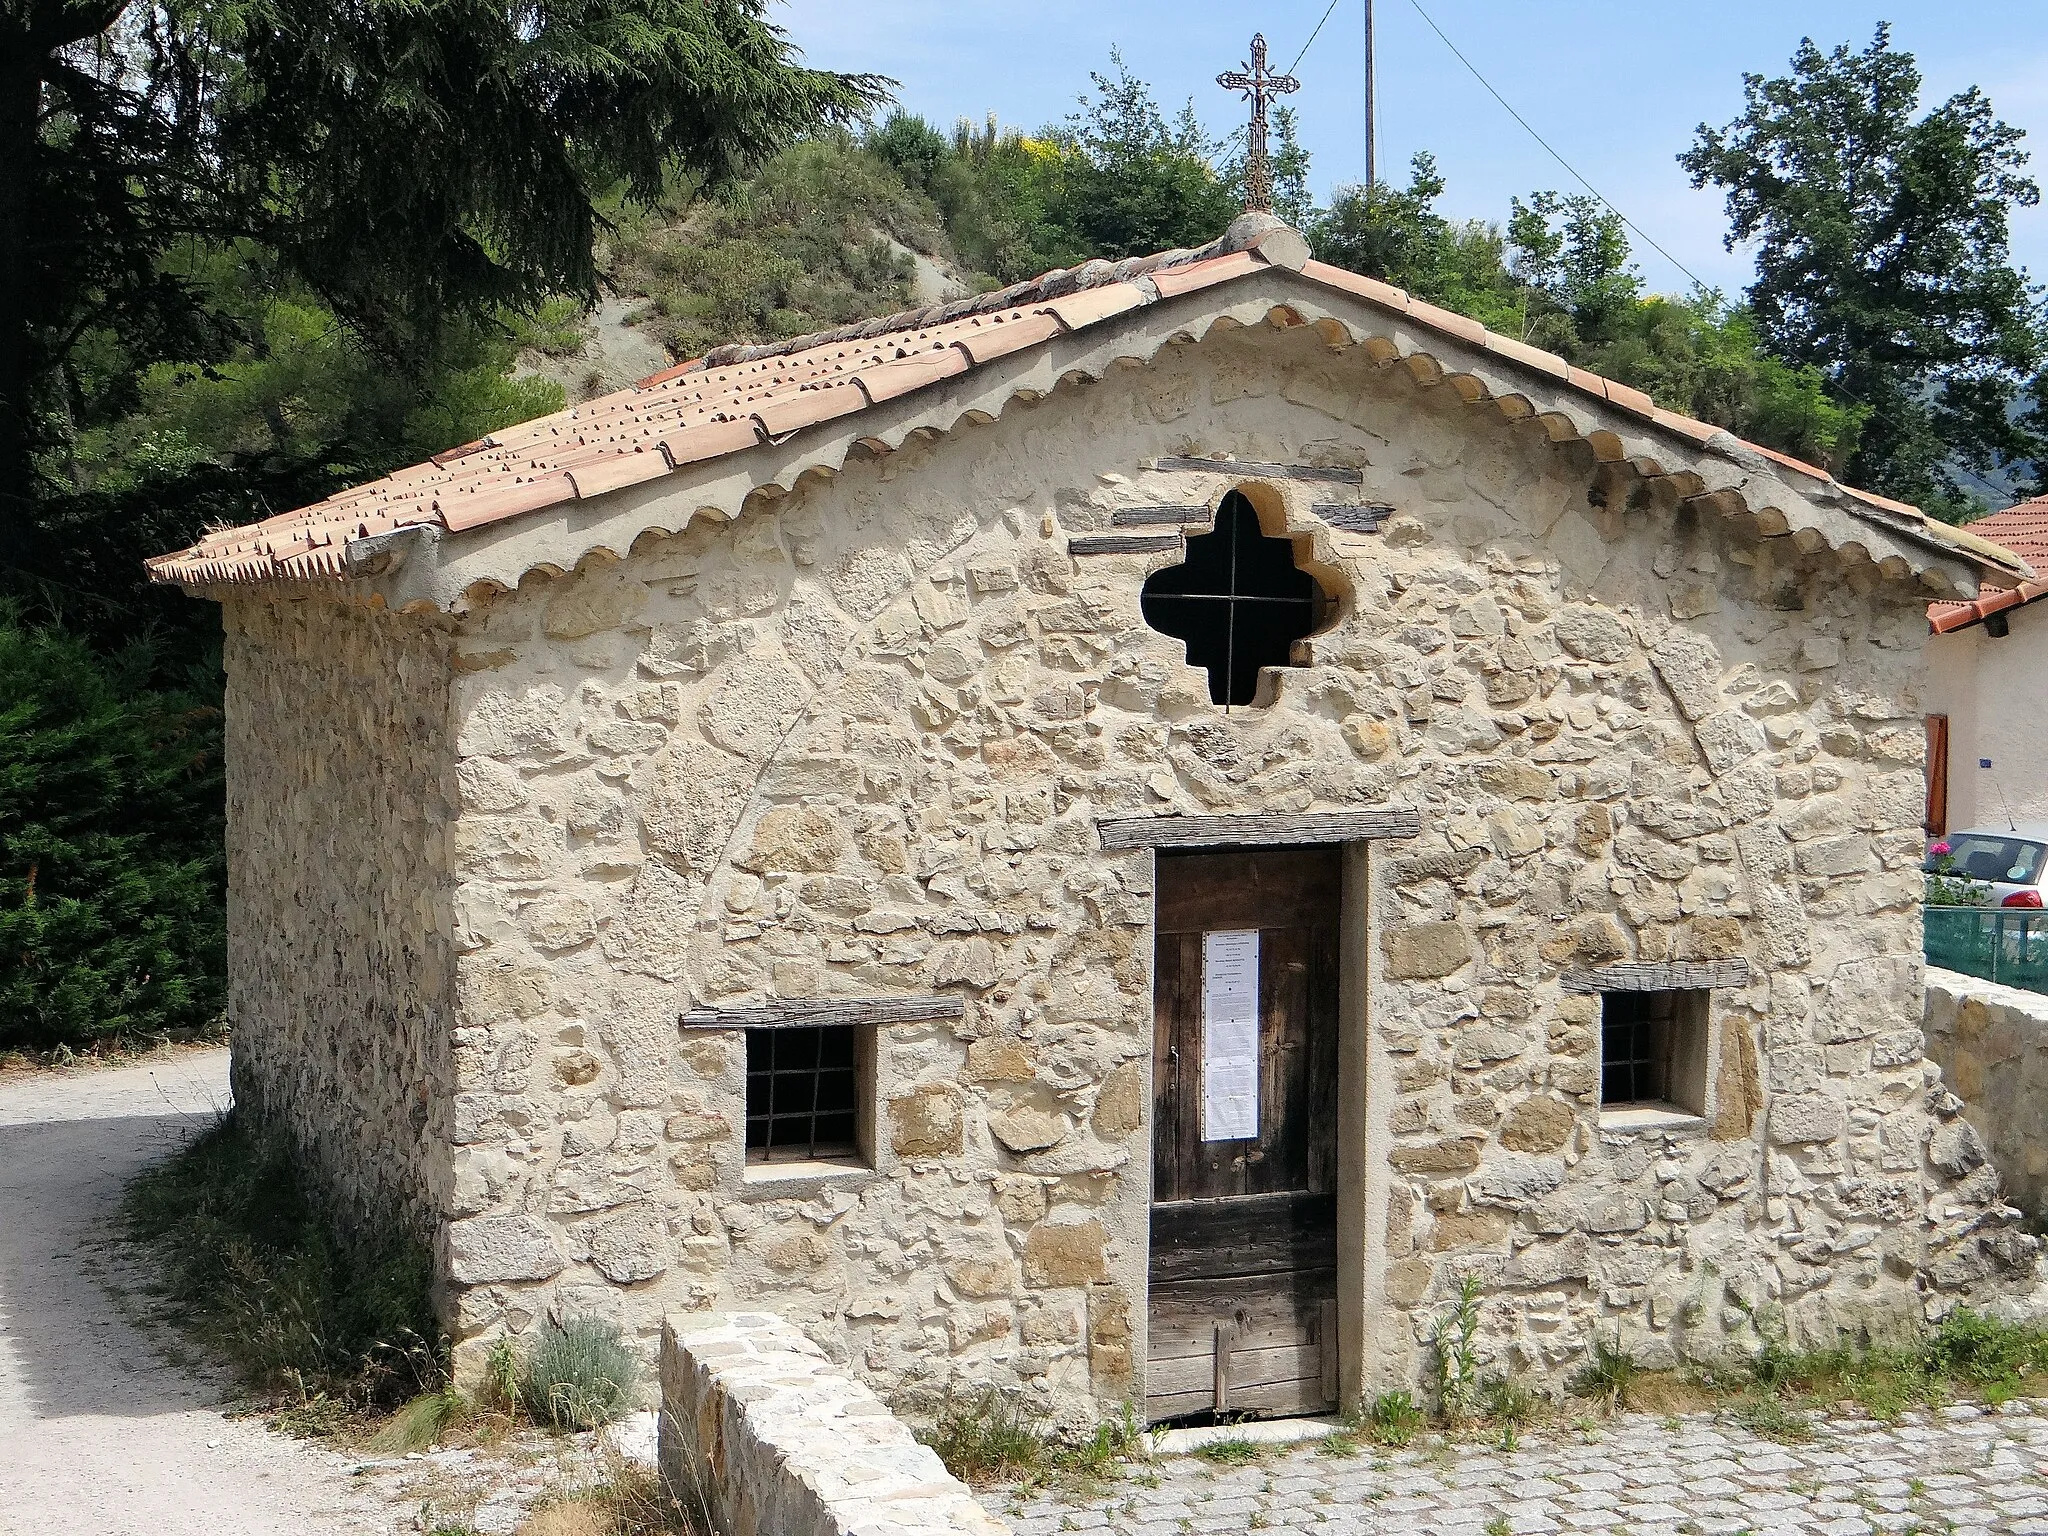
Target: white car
2004 865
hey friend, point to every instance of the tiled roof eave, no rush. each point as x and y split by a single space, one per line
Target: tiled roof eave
736 400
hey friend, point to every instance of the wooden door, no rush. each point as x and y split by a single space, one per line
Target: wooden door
1244 1230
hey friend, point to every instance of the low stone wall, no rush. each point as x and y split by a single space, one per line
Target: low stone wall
770 1438
1991 1043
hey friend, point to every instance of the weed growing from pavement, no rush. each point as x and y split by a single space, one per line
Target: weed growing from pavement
1234 1452
1455 1355
989 1438
1392 1418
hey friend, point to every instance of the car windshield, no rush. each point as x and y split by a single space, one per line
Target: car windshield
1984 856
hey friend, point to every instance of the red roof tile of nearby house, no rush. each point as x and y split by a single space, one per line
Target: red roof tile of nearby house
2023 529
737 397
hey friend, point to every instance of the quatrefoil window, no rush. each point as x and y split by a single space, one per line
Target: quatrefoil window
1238 601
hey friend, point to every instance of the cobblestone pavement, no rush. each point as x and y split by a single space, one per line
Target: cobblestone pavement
1959 1471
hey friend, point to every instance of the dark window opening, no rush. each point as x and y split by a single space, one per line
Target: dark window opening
1653 1050
1238 601
803 1094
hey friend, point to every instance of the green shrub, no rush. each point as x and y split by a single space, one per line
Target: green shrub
579 1375
112 879
250 1264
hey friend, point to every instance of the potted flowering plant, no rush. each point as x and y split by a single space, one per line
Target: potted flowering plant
1946 888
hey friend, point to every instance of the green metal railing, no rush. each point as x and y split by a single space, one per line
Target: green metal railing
2008 945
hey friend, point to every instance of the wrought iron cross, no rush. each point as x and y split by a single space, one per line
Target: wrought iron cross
1257 82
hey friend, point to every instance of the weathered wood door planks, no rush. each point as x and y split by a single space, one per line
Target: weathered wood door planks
1243 1266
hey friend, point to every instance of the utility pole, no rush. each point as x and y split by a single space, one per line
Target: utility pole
1371 155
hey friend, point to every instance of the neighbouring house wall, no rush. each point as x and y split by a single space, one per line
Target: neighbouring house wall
340 967
857 741
1990 689
1992 1045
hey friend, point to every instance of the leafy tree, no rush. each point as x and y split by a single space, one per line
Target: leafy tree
1883 258
1398 236
1126 181
1291 200
404 159
1562 277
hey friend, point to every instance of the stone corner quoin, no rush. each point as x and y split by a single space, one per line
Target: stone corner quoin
856 741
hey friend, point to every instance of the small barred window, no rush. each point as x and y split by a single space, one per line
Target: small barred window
803 1093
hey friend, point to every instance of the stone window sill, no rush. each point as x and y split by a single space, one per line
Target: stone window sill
796 1180
1650 1117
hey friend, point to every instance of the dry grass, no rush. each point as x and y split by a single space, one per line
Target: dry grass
630 1500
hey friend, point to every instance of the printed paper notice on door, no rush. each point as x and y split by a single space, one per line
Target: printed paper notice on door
1230 1036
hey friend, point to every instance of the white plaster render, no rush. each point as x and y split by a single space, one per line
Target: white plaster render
1990 688
857 741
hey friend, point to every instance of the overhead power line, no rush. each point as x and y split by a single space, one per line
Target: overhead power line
1560 159
1312 37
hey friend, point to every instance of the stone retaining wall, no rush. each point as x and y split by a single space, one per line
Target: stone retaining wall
1992 1044
767 1436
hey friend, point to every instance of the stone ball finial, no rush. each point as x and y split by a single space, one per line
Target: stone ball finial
1271 236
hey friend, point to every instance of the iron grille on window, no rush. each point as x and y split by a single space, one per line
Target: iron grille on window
1638 1036
1238 600
802 1093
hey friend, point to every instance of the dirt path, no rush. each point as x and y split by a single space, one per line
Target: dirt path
98 1432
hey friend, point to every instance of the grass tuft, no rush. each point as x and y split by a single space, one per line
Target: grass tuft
989 1438
1610 1376
628 1500
579 1375
324 1327
1233 1452
422 1423
1392 1418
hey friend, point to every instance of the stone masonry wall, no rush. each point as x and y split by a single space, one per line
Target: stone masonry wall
340 968
857 741
1992 1044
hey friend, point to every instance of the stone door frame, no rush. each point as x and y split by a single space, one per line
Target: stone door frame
1364 1075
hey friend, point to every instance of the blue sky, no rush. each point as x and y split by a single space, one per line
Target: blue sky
1617 86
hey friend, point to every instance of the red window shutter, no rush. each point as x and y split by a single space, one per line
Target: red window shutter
1937 775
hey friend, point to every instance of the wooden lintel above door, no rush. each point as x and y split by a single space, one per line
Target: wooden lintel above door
1260 831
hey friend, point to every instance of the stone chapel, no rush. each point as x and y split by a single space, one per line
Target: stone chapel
1115 839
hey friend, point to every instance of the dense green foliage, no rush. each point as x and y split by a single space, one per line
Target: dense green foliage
1560 277
254 1267
1883 258
411 164
109 845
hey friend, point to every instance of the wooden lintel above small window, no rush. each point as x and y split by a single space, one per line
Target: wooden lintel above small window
1334 474
1163 517
1279 830
1353 517
1660 976
813 1012
1122 543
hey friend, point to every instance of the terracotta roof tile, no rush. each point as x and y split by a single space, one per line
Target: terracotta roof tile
738 397
2023 529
